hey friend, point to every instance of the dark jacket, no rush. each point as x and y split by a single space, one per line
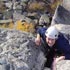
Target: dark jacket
61 44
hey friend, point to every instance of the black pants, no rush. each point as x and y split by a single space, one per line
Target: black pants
49 61
50 57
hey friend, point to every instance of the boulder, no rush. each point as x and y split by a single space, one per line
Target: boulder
61 16
63 65
61 20
18 51
44 20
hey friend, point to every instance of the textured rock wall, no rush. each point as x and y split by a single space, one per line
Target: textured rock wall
19 52
61 20
63 65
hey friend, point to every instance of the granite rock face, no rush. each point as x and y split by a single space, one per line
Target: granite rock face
19 52
63 65
61 20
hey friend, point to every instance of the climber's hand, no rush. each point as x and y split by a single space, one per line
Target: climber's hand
38 41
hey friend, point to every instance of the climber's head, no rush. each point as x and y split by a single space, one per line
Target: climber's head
51 35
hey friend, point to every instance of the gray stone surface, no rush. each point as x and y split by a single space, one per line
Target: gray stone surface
61 20
61 16
63 65
19 52
44 19
66 4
